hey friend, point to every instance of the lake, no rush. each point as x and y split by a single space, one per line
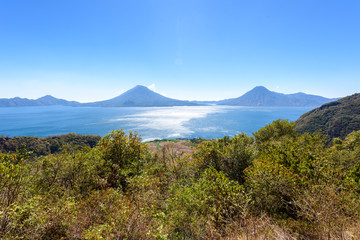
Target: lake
151 122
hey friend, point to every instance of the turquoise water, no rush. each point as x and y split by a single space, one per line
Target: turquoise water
151 123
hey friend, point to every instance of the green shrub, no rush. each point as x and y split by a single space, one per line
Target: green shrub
275 131
72 174
231 156
14 177
306 185
212 201
123 155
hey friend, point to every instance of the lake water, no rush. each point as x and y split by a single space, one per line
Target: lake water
151 122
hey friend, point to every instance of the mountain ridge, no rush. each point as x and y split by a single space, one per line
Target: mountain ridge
46 100
141 96
261 96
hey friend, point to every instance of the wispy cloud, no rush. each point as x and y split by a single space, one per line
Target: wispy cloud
152 87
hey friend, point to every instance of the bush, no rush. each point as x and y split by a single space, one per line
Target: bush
231 156
14 176
123 155
304 183
275 131
211 202
68 174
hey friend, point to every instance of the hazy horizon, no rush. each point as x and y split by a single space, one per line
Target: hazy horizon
89 51
152 88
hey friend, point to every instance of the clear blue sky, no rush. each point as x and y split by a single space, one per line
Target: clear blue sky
88 50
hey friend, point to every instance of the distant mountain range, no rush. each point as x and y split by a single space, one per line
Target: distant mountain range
141 96
43 101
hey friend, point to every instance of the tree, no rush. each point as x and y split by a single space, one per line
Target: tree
231 156
275 131
123 155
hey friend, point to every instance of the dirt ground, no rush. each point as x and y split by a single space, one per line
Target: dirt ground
179 147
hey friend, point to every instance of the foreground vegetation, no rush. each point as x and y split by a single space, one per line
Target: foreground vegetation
276 184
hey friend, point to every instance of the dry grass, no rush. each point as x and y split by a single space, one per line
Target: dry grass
177 146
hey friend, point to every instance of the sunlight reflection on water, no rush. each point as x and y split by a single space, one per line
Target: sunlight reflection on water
151 122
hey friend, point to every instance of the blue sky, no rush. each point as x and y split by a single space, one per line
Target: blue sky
88 50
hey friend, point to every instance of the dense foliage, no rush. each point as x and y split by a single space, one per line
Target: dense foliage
336 119
277 184
48 145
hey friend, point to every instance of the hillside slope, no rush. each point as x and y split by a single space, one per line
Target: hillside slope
336 119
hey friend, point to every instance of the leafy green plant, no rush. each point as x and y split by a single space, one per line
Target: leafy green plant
123 155
231 156
212 201
275 131
14 176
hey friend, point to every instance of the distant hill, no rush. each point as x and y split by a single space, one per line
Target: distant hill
141 96
261 96
50 100
336 119
43 101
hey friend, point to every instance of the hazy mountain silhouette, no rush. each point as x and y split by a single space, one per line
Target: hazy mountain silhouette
141 96
261 96
43 101
50 100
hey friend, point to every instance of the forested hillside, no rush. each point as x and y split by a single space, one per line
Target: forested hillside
277 184
336 119
37 146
